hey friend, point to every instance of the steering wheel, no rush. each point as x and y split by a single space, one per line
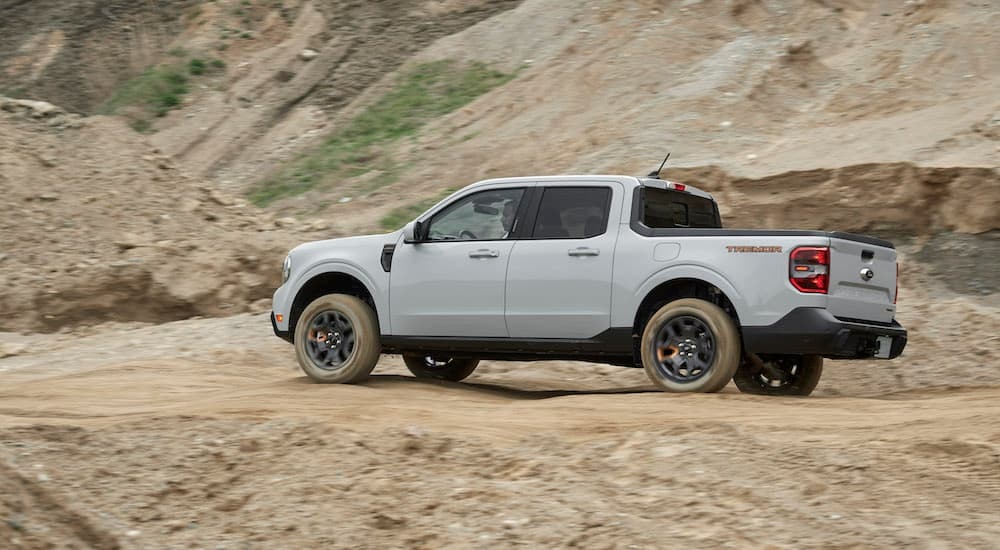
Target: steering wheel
466 234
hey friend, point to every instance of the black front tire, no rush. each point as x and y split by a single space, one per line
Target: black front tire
452 369
354 326
781 375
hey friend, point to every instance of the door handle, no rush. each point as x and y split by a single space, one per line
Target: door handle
583 251
484 253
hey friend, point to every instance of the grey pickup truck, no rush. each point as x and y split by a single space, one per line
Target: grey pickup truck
637 272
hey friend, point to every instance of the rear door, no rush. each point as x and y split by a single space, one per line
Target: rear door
559 275
862 281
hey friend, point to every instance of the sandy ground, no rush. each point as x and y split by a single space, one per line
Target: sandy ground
202 433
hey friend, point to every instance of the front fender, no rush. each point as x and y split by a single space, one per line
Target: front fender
285 296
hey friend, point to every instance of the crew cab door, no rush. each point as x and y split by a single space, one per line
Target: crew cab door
559 276
452 284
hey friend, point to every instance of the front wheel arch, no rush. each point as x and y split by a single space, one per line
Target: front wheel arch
331 282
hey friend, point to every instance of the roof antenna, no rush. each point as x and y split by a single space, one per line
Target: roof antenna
656 174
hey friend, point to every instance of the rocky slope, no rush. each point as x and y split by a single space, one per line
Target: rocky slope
97 225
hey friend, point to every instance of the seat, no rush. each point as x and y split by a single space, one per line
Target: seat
594 226
549 225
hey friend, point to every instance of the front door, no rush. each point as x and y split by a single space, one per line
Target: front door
559 277
452 284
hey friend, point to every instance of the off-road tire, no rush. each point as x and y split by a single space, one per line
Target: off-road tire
807 375
454 369
725 339
367 344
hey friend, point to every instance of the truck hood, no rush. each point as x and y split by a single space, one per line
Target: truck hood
336 248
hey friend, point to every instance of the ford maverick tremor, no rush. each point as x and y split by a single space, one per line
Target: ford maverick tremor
637 272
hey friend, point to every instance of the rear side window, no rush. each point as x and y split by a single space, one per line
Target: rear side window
663 208
572 213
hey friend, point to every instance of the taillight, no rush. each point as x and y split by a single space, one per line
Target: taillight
895 295
809 269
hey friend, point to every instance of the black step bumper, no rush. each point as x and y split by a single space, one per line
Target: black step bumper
815 331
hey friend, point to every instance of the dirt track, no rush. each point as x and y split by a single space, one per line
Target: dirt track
168 445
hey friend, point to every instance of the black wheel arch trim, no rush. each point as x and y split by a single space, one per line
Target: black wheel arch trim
321 284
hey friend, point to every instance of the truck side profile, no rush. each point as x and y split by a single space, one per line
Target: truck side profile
637 272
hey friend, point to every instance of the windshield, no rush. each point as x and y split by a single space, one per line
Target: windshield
664 208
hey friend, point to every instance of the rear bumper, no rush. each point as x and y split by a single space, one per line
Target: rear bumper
815 331
285 335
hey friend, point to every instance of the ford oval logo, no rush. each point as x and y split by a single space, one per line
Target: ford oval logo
867 274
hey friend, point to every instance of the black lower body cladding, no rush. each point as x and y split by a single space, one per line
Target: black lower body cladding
815 331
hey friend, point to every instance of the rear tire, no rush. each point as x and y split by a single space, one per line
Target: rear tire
690 345
784 375
440 368
337 339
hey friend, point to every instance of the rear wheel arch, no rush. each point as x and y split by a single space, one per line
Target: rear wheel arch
330 282
677 289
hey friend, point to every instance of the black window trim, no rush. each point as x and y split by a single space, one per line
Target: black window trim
529 226
526 196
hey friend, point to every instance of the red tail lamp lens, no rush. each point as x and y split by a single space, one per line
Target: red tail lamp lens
809 269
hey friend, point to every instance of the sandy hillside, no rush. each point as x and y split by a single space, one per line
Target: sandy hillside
144 402
764 91
98 225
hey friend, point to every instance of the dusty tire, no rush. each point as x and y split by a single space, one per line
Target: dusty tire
337 339
452 369
690 345
799 375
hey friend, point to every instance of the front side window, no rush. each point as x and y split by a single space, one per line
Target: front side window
483 216
572 213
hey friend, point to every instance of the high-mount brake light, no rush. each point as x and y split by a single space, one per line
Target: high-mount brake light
809 269
678 186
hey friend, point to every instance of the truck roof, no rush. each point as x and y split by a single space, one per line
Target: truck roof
627 181
669 184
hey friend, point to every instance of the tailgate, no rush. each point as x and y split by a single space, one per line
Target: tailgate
862 281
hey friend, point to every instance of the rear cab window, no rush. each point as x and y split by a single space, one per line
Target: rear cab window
667 209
